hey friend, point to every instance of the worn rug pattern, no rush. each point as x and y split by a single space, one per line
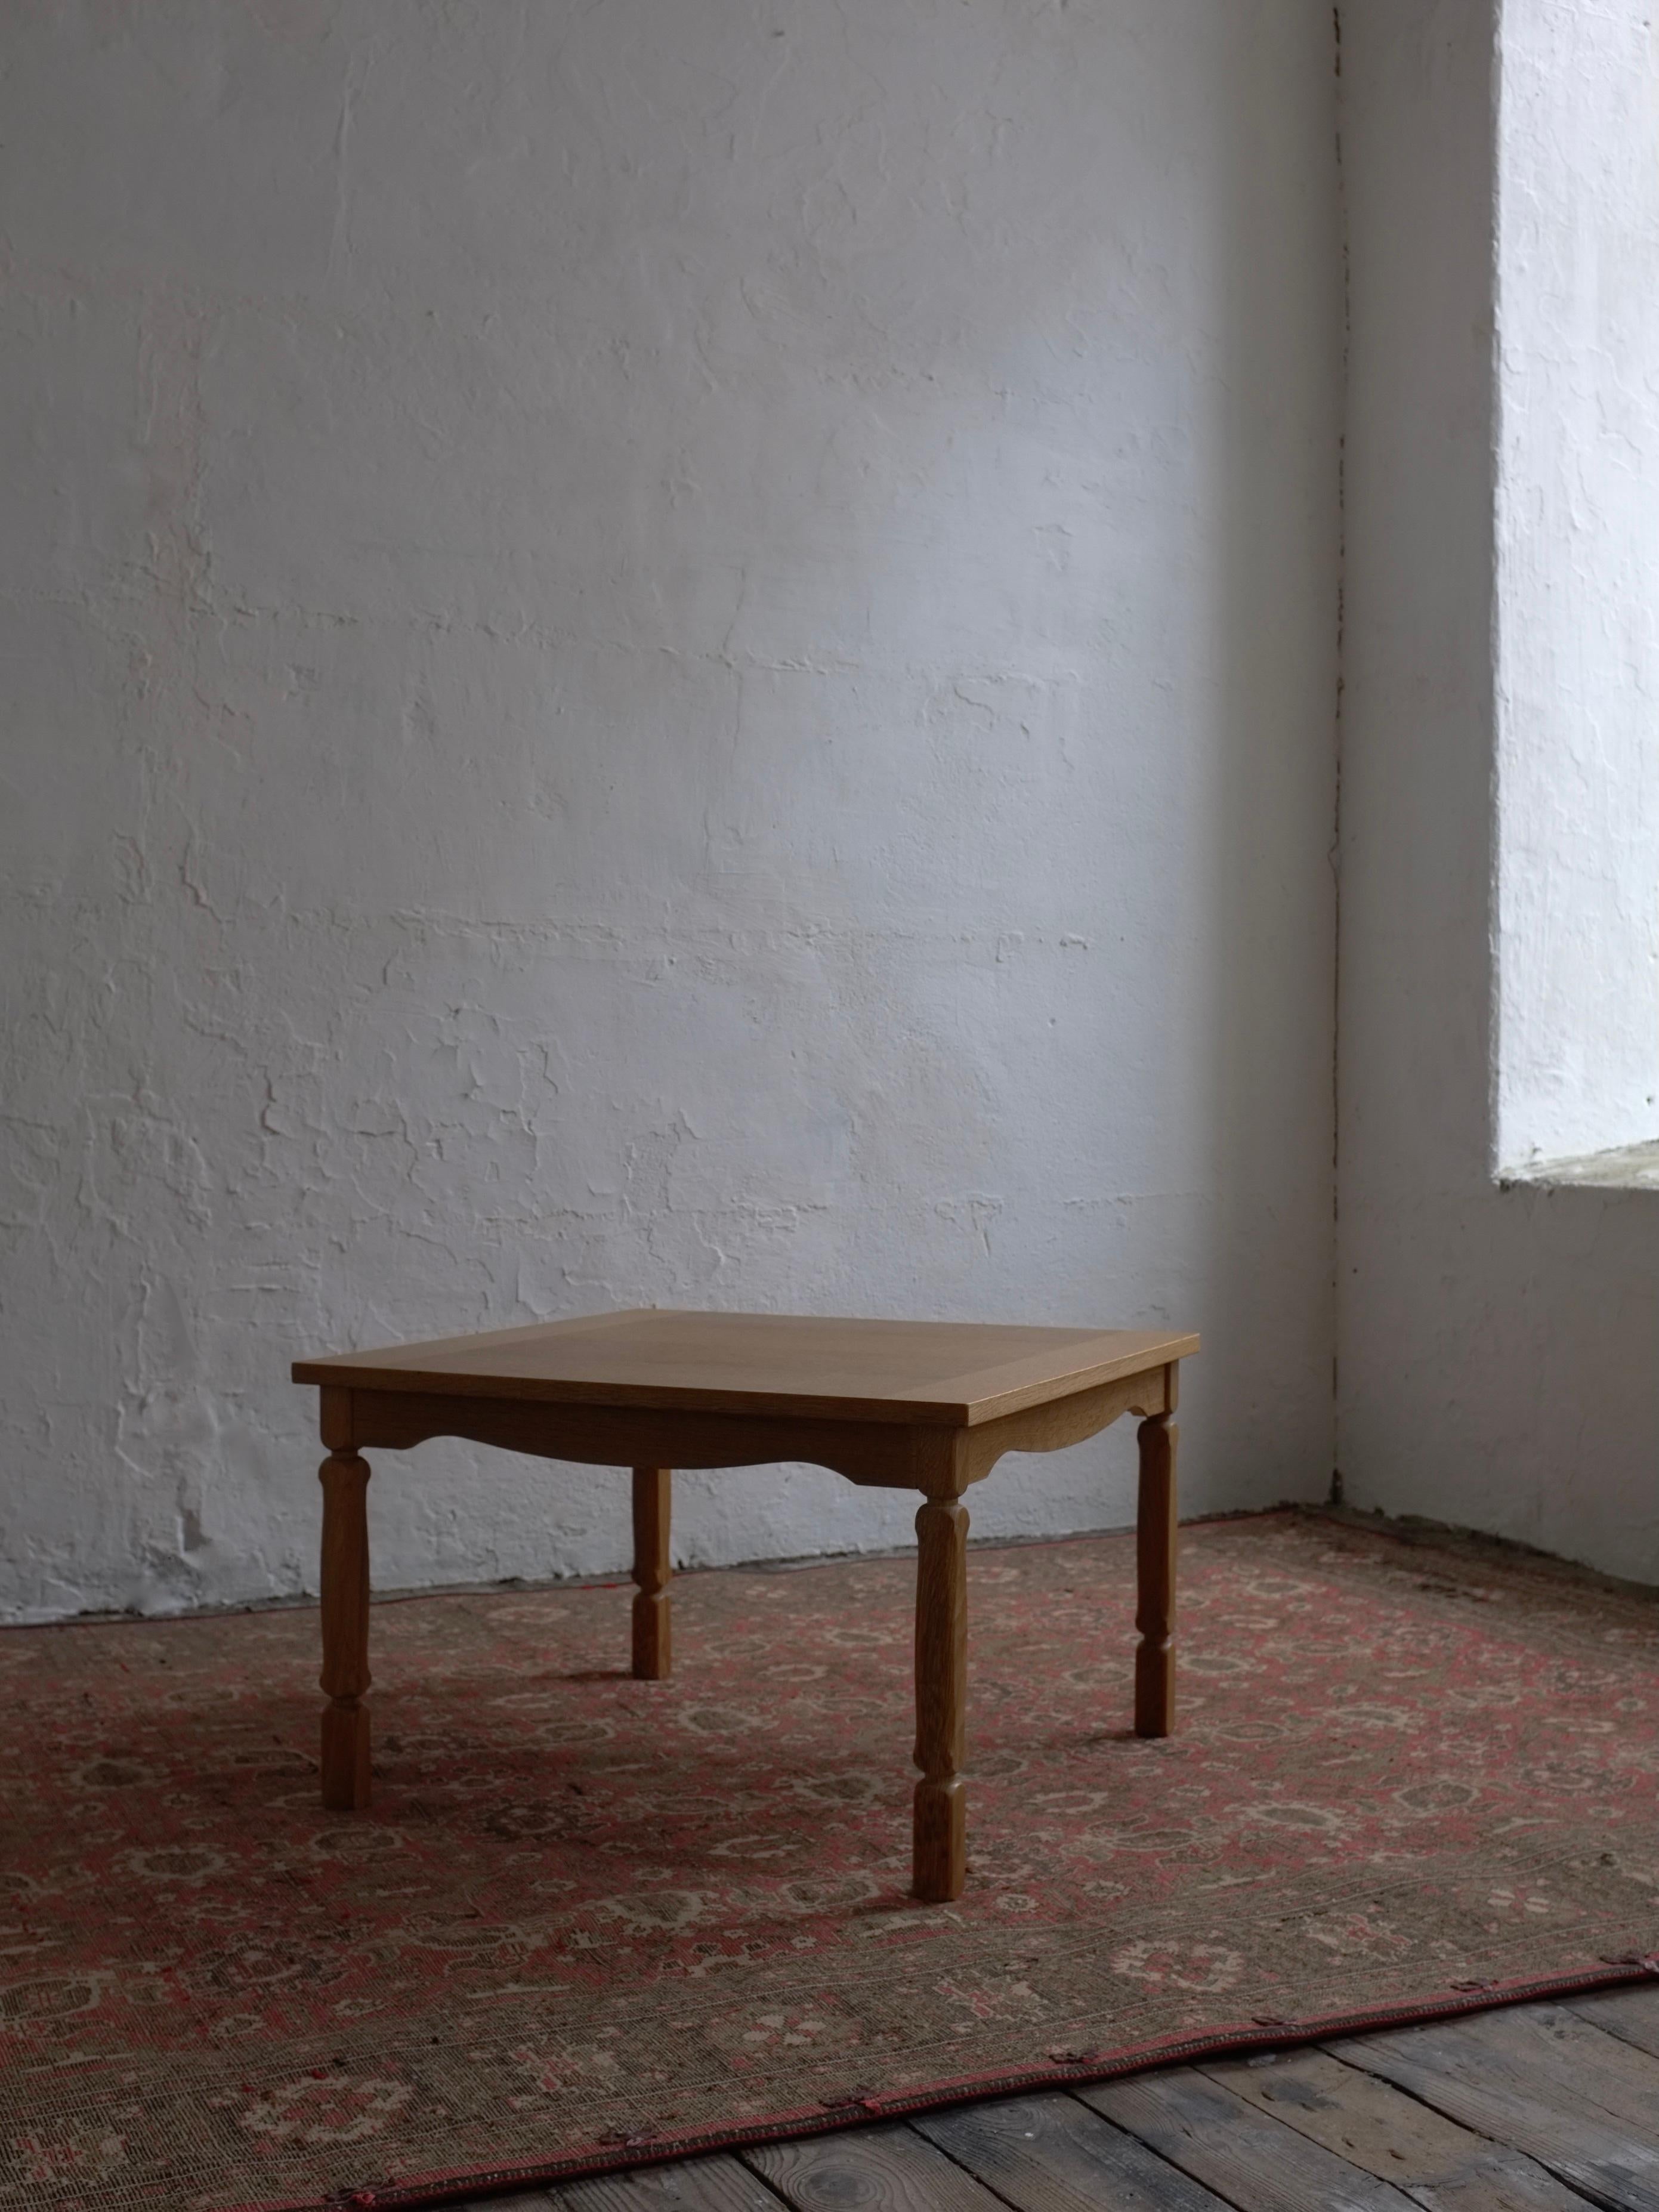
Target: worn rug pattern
589 1920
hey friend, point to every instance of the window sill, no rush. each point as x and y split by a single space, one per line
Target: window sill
1631 1167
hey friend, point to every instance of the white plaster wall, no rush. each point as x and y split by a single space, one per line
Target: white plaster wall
1495 1359
678 652
1578 579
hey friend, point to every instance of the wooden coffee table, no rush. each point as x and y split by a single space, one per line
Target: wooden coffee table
923 1406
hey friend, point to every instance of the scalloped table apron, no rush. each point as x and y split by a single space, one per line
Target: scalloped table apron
923 1406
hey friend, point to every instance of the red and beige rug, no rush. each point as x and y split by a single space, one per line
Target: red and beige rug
592 1921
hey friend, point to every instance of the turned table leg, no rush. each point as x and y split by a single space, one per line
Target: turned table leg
653 1642
345 1631
1155 1561
941 1816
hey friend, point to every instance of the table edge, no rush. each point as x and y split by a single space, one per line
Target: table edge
340 1371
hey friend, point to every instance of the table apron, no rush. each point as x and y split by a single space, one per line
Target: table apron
940 1460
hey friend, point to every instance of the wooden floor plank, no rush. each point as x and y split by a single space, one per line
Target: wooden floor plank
1541 2081
531 2200
1441 2166
1569 2057
719 2183
1251 2159
1631 2014
888 2168
699 2185
1049 2154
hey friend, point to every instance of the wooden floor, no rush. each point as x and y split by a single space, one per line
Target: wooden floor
1535 2108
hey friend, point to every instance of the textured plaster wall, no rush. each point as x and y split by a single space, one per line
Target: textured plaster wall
673 652
1496 1356
1578 579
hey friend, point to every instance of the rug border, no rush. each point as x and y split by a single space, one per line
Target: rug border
1181 2046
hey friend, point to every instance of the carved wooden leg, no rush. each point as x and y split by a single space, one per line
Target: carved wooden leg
941 1816
345 1631
652 1643
1155 1559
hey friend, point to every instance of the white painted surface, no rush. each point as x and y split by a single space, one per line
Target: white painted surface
1578 579
1497 1346
1627 1167
680 652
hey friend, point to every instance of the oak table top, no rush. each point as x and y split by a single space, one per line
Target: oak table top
927 1407
944 1373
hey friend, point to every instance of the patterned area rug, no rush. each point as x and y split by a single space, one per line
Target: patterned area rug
591 1921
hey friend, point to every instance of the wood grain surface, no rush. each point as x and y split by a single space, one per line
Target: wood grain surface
940 1853
699 2184
1579 2101
1239 2153
1631 2014
1050 2154
1446 2167
653 1494
959 1373
881 2169
345 1676
1155 1569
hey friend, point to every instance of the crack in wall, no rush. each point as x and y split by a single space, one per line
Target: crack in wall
1337 732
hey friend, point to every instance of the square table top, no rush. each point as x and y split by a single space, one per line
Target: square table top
954 1373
